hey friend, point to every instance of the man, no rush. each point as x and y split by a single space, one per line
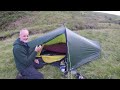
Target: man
25 61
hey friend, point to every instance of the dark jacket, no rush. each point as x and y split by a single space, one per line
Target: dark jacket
23 58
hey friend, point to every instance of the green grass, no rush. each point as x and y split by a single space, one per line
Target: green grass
108 35
7 65
42 21
106 67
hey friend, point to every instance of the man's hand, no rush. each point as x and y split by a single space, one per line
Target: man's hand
36 61
38 48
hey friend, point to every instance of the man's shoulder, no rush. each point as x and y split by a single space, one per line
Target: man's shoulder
17 46
16 41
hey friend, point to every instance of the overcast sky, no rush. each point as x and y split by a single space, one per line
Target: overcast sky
111 12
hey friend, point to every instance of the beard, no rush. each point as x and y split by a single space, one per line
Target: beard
25 41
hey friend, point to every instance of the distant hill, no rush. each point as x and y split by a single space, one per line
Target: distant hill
101 27
43 21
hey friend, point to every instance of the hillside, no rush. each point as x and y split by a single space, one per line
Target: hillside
104 28
43 21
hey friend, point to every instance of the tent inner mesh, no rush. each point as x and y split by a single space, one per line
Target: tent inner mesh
57 48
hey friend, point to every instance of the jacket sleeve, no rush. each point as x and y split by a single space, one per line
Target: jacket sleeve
20 55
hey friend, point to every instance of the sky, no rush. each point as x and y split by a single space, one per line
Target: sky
111 12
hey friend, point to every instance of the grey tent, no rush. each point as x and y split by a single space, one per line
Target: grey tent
78 49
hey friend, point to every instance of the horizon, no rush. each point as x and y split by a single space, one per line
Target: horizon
110 12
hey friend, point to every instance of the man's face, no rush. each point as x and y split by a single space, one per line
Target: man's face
24 34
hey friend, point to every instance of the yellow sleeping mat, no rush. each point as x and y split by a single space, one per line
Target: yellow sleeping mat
51 59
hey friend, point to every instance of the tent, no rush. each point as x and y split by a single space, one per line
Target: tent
77 49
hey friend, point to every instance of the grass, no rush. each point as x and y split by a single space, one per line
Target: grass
108 35
13 21
106 67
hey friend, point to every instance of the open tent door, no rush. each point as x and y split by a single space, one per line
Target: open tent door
54 50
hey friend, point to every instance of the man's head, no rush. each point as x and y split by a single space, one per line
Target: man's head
23 35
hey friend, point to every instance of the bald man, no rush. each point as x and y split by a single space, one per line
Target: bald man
25 62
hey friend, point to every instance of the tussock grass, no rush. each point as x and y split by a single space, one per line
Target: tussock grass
108 35
106 67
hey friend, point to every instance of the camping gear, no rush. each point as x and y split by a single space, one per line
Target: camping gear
51 59
79 76
62 41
